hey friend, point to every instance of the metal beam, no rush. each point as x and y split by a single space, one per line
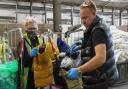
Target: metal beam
127 20
112 16
16 10
7 17
45 11
31 2
102 9
22 12
120 17
56 14
72 9
7 6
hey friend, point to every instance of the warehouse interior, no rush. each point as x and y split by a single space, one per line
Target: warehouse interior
64 16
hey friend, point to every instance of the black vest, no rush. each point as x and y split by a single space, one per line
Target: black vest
107 70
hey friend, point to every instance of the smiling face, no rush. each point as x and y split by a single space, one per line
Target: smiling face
87 16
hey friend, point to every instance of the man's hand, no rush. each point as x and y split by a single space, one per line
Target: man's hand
73 73
34 52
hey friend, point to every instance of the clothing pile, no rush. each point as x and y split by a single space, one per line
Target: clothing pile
120 40
8 68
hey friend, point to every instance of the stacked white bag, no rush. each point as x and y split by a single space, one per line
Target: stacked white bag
120 40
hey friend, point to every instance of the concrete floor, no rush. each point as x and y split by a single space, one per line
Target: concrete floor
120 87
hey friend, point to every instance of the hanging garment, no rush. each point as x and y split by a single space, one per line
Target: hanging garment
42 66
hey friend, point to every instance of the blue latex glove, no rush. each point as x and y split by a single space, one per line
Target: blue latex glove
76 48
34 52
70 49
73 51
73 73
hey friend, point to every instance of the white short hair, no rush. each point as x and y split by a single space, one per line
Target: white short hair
30 22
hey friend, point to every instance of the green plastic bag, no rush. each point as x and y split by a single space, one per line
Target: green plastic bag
8 75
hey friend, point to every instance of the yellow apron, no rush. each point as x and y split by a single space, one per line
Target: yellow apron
43 68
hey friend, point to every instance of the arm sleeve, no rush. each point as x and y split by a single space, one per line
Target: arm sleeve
98 37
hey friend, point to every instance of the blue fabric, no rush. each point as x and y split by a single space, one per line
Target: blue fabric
75 48
62 45
73 73
73 51
34 52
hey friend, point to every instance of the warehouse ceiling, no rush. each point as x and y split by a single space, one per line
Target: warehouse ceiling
121 4
116 4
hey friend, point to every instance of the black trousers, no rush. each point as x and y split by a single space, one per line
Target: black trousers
30 80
